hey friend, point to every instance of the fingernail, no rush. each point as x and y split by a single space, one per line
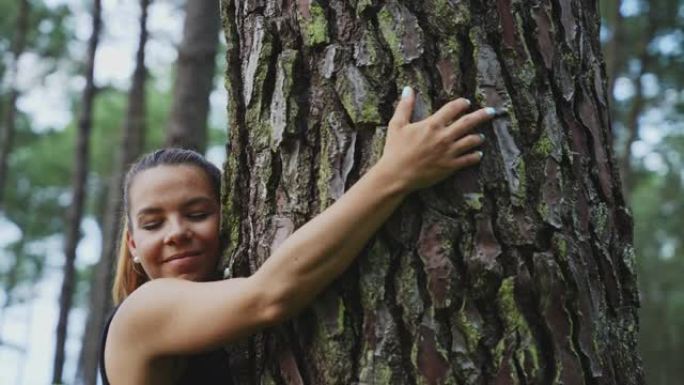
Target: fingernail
483 137
496 112
468 101
480 153
406 92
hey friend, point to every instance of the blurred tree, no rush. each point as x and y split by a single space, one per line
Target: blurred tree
7 123
647 106
187 125
26 26
81 168
132 144
519 272
45 38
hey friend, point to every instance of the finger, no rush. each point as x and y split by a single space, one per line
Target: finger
402 114
467 160
468 122
466 144
450 111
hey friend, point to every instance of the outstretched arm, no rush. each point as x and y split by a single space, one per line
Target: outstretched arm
415 156
171 316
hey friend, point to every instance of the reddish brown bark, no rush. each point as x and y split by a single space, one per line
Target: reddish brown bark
520 271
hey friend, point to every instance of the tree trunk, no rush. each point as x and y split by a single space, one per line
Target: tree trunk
73 231
132 143
187 126
8 116
520 271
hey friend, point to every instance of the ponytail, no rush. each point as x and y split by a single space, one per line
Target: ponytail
129 275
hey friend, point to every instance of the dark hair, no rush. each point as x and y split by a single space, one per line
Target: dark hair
128 276
172 157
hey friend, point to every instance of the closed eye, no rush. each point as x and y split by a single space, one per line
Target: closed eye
150 225
198 215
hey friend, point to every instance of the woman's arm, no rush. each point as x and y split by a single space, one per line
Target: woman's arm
415 156
172 316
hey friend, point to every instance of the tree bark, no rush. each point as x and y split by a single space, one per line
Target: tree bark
520 271
81 166
187 126
130 148
7 125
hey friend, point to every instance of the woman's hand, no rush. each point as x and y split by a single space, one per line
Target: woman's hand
423 153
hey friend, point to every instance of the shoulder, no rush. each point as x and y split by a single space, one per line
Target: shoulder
161 317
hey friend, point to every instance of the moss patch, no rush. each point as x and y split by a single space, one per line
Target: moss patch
314 28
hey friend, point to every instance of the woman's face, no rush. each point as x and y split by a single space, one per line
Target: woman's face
174 216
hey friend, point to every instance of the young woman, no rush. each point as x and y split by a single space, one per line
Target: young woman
170 329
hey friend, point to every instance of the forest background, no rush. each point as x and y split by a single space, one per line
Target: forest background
44 78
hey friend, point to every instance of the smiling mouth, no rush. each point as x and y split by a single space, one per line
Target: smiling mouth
188 254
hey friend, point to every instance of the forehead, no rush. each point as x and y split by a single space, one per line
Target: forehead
167 184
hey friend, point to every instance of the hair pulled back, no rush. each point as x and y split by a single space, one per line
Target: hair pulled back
129 276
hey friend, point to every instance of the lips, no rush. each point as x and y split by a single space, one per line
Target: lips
183 255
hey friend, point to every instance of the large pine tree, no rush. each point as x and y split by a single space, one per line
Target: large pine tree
518 272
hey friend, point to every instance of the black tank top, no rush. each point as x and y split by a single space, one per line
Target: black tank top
209 368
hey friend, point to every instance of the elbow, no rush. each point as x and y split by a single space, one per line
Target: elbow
274 314
275 307
280 298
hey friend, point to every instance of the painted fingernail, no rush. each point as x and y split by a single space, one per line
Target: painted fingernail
480 153
483 137
406 92
491 111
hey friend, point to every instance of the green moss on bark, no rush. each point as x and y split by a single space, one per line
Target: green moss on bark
314 28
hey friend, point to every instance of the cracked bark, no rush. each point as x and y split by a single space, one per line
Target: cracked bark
518 272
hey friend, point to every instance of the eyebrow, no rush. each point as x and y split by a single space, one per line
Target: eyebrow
190 202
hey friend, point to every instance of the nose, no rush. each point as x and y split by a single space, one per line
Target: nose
178 232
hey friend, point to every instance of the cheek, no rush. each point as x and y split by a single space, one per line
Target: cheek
210 233
147 246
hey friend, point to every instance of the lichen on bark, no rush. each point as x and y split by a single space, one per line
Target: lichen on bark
517 271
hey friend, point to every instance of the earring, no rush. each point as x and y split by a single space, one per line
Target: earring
136 259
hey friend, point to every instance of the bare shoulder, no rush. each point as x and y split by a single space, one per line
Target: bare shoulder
161 317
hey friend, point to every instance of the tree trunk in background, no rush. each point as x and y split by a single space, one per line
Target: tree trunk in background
8 116
638 102
520 271
132 143
187 126
615 59
73 231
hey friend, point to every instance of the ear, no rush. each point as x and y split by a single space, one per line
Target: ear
130 243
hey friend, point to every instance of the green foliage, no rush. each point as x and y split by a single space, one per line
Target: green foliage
38 195
659 219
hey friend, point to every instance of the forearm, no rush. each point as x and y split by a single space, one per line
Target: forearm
416 155
323 248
